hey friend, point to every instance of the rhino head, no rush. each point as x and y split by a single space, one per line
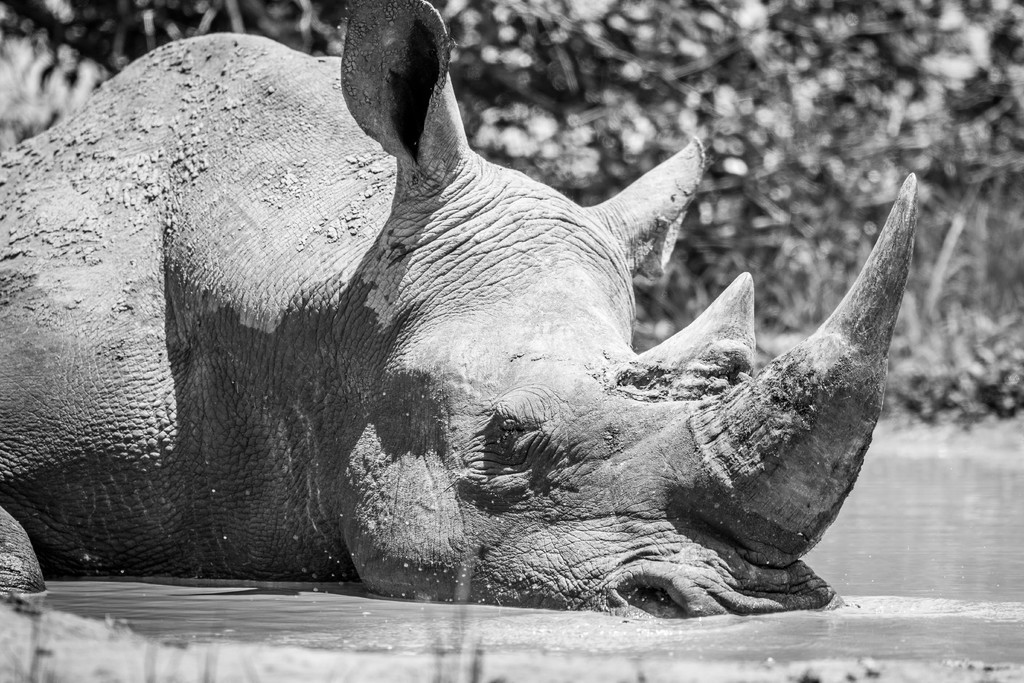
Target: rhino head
516 449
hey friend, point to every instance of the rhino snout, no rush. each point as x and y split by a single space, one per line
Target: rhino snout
686 587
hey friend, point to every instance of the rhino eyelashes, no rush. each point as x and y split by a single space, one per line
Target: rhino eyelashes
495 461
506 446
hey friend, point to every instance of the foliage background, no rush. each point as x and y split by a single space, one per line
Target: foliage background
814 113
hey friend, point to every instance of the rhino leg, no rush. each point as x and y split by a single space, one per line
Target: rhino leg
19 569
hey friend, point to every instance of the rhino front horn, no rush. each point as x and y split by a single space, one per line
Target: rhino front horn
782 451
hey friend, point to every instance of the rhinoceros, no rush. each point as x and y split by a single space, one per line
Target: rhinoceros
261 322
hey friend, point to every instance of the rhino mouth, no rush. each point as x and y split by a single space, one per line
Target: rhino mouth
666 588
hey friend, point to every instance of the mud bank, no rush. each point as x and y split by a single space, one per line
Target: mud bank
44 645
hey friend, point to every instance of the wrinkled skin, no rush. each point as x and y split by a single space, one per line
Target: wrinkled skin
260 324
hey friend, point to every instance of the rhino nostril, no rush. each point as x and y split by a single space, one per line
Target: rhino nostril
652 595
655 601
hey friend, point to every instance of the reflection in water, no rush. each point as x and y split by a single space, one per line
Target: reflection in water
927 552
932 518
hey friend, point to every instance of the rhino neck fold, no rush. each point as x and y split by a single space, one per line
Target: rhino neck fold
425 207
414 185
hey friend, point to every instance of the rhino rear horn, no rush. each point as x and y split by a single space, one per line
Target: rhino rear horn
394 75
706 357
725 328
646 216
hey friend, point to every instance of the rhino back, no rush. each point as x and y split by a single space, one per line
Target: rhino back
232 157
218 176
278 190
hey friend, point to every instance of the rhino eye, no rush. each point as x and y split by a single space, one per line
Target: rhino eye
502 447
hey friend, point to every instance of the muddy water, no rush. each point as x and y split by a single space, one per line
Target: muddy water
928 552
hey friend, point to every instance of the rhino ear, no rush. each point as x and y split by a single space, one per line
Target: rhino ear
394 75
646 215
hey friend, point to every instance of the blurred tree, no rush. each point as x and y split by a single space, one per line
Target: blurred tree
114 32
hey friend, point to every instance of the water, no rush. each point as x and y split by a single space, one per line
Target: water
928 552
